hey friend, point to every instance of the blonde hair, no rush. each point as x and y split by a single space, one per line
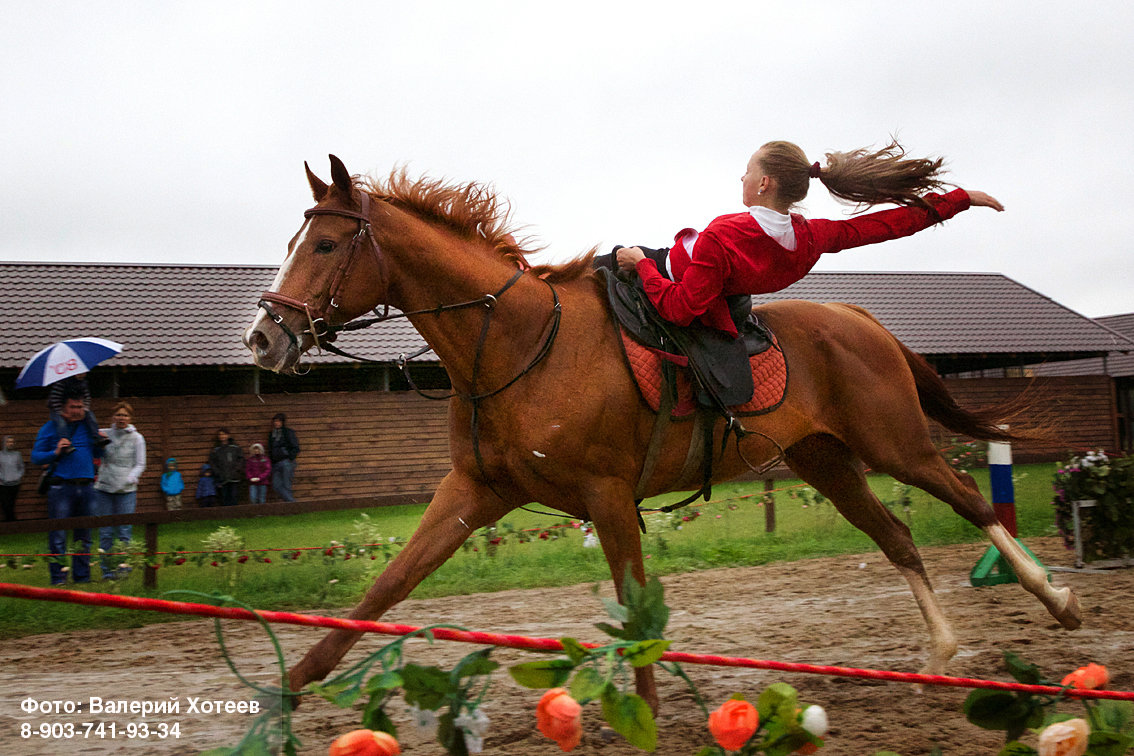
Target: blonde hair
124 406
862 176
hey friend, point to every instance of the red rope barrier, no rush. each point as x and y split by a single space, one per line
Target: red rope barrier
523 641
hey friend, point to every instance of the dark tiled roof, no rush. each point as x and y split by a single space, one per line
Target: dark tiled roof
165 315
961 313
1116 364
169 315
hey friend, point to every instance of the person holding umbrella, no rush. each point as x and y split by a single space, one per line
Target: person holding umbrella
69 494
64 367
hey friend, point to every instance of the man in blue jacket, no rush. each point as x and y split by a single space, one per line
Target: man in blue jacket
70 493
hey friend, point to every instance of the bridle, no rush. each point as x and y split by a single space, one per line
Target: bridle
320 327
318 324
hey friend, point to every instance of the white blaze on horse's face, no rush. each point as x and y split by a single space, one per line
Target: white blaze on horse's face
268 343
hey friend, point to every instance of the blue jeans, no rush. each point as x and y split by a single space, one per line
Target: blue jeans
67 500
257 493
113 504
282 473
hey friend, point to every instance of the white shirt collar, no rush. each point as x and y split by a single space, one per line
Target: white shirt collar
775 224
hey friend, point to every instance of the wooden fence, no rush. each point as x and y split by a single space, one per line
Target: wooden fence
358 445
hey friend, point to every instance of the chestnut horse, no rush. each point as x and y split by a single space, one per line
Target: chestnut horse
546 411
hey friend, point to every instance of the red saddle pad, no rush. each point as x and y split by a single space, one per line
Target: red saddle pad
769 375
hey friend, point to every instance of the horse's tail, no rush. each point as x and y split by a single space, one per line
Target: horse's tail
938 404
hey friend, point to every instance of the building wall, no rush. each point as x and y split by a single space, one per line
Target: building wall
1071 412
371 443
353 443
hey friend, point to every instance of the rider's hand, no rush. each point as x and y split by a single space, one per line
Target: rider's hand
628 257
980 199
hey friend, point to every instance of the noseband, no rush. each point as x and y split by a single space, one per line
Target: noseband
318 324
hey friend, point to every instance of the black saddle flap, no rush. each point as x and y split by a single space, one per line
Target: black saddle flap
719 361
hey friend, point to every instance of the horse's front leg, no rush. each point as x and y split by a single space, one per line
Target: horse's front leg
459 507
611 509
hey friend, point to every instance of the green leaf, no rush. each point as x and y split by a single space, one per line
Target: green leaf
476 663
631 718
1024 672
646 605
1109 743
342 693
777 698
451 736
426 687
384 682
611 630
374 717
575 651
1116 716
615 610
1001 710
646 652
542 674
587 685
1016 748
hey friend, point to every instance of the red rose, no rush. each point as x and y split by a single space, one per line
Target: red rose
733 724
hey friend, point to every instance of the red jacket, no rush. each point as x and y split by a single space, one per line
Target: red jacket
734 255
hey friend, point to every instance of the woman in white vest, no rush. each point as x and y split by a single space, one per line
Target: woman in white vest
116 490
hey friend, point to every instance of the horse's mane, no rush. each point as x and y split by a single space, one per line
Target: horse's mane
473 210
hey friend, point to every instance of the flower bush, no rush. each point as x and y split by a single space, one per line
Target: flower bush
1107 729
1107 528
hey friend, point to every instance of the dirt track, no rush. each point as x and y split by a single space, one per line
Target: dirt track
849 611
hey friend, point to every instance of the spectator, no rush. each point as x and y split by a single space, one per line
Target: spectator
258 470
283 448
71 458
11 473
206 488
227 461
172 485
76 384
116 490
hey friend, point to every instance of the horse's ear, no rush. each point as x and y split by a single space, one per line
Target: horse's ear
341 175
318 188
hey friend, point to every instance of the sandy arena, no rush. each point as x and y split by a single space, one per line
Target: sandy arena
849 611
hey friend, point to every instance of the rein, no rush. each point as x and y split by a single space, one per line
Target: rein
319 326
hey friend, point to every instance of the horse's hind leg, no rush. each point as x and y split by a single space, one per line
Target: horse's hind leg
830 466
960 491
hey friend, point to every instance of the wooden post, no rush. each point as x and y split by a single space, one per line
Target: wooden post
149 578
769 507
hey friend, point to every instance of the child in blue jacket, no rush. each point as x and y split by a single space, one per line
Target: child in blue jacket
172 485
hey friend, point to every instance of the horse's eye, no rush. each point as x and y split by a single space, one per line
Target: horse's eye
325 246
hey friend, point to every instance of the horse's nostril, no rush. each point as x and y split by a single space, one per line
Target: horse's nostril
257 341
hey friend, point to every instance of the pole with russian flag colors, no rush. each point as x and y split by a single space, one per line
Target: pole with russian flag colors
1000 477
993 568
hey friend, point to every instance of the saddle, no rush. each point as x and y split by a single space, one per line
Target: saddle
719 363
703 372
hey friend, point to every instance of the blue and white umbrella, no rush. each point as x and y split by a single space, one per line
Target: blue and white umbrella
65 359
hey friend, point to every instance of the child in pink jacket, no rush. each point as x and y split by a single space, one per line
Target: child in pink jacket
258 471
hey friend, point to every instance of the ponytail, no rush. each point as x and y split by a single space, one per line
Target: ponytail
886 175
858 177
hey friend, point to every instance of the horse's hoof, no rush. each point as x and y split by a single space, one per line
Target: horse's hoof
1071 615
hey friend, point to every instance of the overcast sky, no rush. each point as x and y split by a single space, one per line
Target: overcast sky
176 131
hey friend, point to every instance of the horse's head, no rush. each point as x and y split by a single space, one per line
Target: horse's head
310 294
